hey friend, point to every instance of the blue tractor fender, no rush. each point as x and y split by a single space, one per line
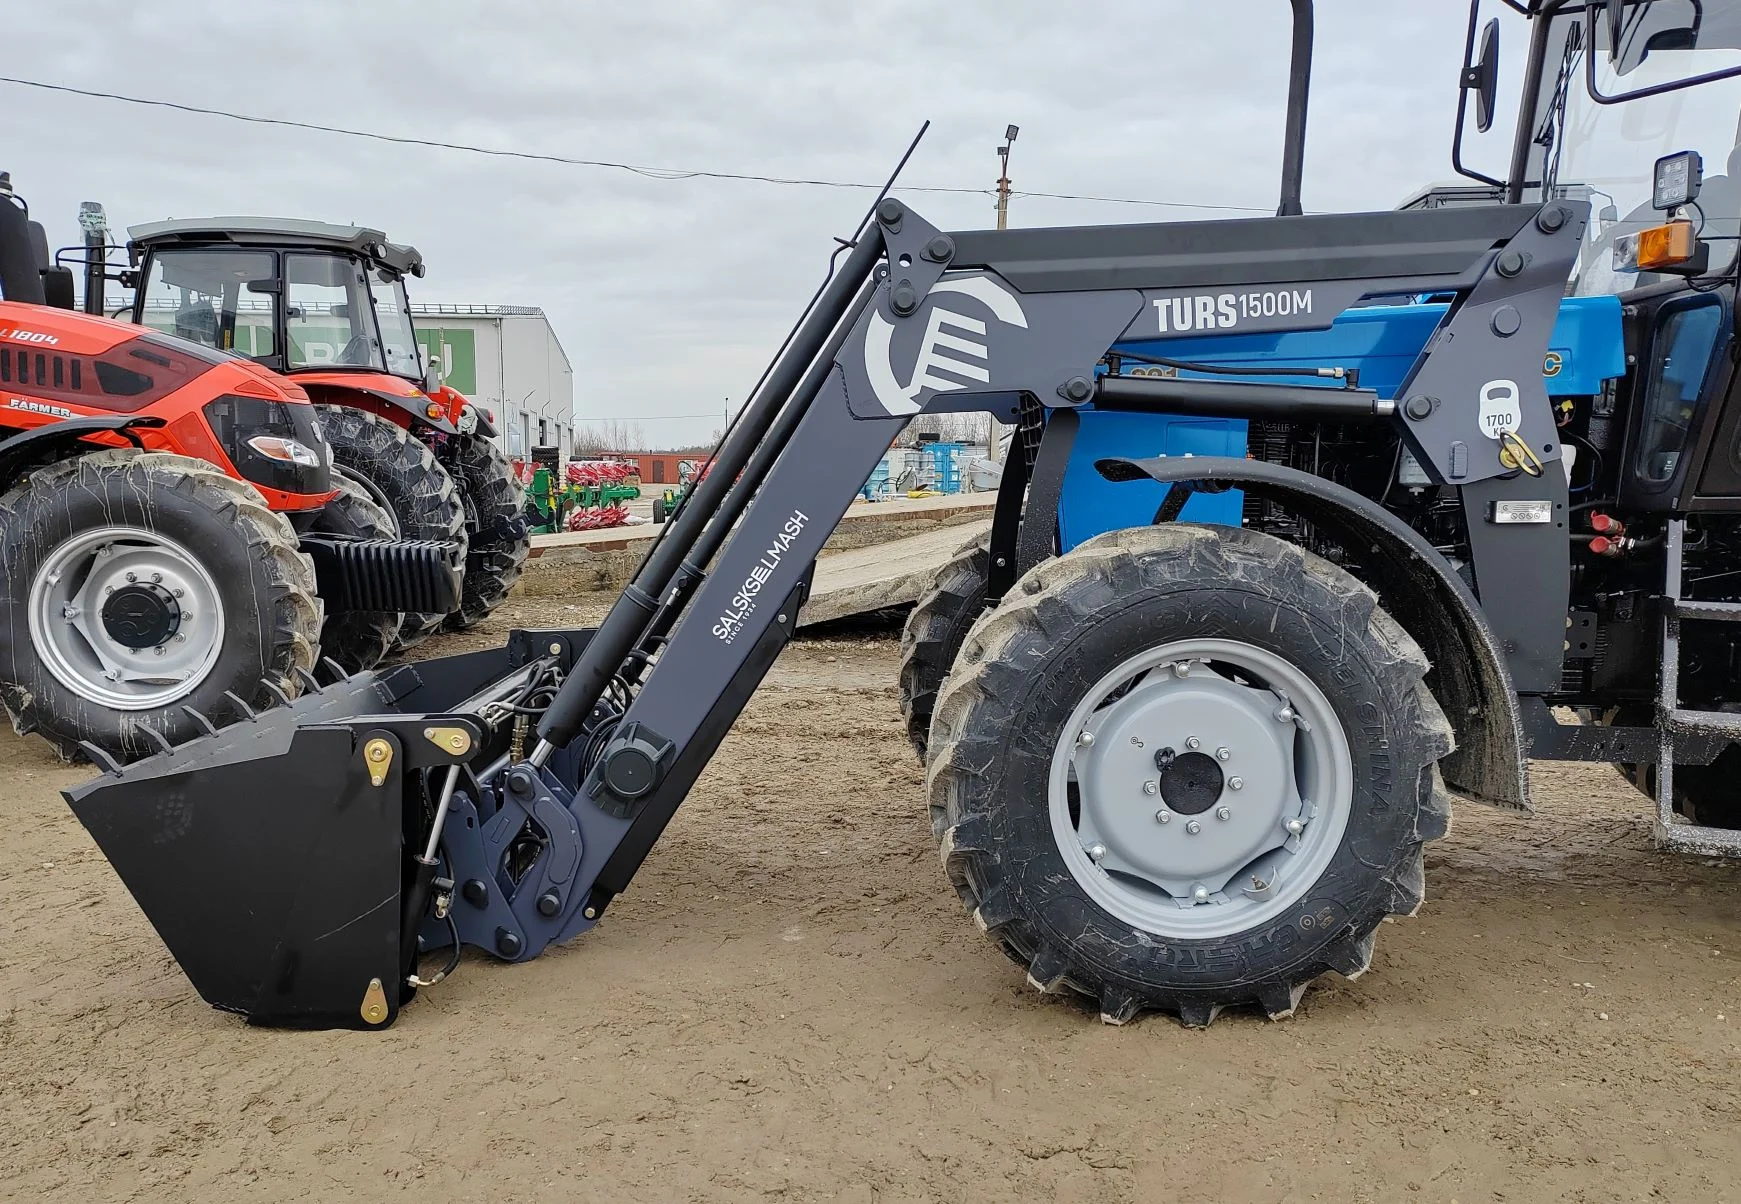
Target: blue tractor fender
1416 585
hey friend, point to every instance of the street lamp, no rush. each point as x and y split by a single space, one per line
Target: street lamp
1003 183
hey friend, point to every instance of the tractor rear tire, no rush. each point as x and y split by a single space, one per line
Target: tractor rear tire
933 635
497 539
402 476
355 640
1287 669
139 588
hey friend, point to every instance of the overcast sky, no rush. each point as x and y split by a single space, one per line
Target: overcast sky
669 295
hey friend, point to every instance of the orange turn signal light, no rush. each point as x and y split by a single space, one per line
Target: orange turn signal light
433 410
1666 245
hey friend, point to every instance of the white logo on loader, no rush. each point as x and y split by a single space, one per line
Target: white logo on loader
1501 409
942 354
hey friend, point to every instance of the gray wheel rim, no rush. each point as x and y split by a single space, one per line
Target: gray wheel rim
75 645
1234 826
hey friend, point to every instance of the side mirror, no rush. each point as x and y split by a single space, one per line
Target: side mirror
57 288
1482 77
266 284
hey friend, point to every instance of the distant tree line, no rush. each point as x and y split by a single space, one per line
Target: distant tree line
626 435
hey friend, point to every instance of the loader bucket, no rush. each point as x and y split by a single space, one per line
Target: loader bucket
271 855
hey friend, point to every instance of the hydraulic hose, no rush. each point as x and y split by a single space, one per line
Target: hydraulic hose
630 614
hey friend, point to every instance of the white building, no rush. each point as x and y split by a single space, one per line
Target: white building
507 359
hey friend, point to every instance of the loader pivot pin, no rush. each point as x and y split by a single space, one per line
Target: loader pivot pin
378 753
455 740
374 1009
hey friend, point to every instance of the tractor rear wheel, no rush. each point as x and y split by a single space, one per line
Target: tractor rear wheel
497 539
139 589
933 635
1185 768
355 640
405 479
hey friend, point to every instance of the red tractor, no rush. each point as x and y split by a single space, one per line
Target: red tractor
175 550
326 306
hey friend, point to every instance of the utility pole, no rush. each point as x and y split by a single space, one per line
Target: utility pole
1003 180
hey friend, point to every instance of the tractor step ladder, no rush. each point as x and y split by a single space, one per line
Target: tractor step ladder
1672 830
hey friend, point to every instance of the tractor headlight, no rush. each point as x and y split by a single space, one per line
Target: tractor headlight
289 451
276 444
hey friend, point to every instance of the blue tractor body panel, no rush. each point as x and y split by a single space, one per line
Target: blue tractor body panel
1381 341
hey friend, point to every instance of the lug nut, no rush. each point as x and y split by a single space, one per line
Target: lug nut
1151 787
1193 827
1193 743
1096 852
1163 817
1201 894
1294 827
157 578
132 576
180 593
1236 783
186 615
180 638
1223 813
1285 715
158 650
1085 739
1223 754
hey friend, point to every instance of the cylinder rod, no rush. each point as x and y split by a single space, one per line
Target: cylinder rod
1237 399
755 472
629 615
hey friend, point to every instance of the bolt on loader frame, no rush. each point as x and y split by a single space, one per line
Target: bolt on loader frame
298 862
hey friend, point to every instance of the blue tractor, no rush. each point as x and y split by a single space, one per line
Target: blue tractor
1310 523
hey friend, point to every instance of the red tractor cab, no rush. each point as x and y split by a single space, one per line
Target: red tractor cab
326 305
175 550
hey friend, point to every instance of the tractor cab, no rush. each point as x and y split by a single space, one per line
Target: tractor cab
293 295
1638 106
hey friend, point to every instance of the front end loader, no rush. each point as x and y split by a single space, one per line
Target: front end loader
1173 765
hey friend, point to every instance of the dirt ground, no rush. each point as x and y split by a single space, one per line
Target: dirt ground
790 1004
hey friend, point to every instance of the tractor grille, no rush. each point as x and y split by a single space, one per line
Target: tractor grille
413 576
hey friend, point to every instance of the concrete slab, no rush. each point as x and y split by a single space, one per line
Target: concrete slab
929 509
884 574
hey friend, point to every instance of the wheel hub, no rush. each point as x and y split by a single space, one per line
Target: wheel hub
141 615
126 618
1191 784
1199 781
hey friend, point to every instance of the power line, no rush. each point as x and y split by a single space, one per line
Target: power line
654 173
651 418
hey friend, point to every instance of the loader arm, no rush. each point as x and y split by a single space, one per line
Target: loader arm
520 848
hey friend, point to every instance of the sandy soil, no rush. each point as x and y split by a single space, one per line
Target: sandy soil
790 1004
